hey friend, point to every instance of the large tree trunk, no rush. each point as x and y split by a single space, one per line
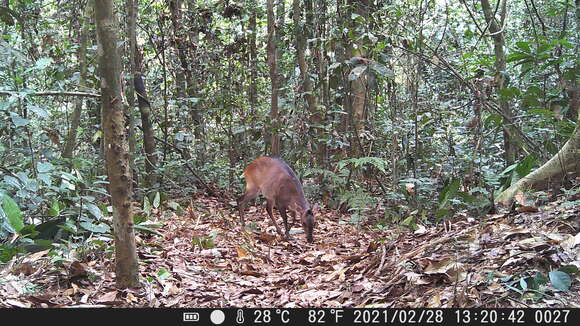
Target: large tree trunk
116 146
563 164
71 138
497 33
274 136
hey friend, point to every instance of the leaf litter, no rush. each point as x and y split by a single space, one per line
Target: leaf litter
202 258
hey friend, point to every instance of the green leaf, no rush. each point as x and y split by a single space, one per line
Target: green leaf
525 46
43 63
146 206
526 165
163 274
560 280
13 213
509 92
156 200
44 167
356 72
54 209
149 228
97 135
96 228
493 119
39 111
382 70
45 177
569 269
12 181
540 279
17 120
523 284
518 56
94 210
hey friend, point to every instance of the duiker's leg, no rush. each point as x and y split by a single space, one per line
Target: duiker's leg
270 207
242 201
285 219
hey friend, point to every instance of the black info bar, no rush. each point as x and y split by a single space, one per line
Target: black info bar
299 316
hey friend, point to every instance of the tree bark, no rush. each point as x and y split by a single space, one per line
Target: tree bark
135 59
274 136
307 84
359 85
116 146
562 165
510 146
253 63
186 81
71 138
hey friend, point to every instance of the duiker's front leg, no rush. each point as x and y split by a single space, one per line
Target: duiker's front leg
269 208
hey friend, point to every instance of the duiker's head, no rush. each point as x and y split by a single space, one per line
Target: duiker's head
308 222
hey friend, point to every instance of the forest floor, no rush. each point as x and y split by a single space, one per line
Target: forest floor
201 258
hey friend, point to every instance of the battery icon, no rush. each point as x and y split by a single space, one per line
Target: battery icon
190 316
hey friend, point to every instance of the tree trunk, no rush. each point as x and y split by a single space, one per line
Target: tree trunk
186 80
71 138
253 63
116 146
562 165
148 132
321 63
135 60
274 136
180 73
510 146
307 84
130 103
359 85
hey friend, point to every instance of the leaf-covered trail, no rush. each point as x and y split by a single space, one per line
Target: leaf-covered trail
201 258
256 268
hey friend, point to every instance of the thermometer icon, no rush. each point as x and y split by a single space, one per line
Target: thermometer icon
240 316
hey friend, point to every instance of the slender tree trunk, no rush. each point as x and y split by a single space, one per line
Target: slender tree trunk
497 32
307 84
71 138
135 59
343 14
148 132
274 136
321 63
253 62
187 83
359 85
130 103
116 146
180 73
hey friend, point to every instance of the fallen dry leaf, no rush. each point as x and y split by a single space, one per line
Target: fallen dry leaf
108 297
